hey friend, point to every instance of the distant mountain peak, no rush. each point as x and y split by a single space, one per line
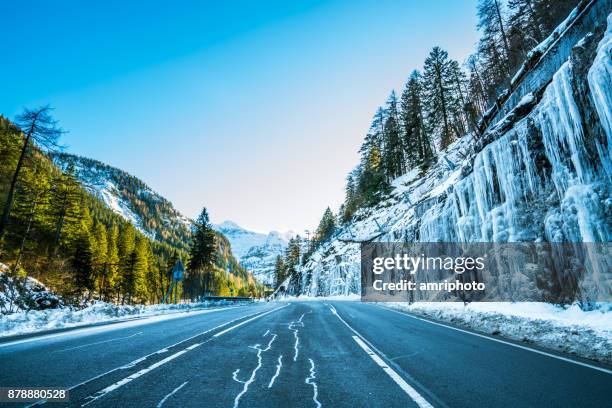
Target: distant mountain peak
257 251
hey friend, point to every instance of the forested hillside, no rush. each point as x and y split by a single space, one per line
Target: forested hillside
446 99
63 232
129 197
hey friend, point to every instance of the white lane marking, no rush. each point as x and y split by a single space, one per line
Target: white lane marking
113 325
132 377
310 380
412 393
152 367
279 365
569 360
143 358
407 388
221 333
98 342
292 325
248 382
174 391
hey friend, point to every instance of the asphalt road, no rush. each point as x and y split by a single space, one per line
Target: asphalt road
309 354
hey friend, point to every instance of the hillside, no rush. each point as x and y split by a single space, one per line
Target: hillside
88 231
130 198
539 173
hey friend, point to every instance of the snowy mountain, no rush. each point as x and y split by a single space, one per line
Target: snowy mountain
540 173
257 252
129 197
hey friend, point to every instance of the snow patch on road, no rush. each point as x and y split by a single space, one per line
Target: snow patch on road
310 380
248 382
279 365
293 326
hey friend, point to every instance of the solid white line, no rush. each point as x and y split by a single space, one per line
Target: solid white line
98 342
412 393
152 367
171 394
409 390
568 360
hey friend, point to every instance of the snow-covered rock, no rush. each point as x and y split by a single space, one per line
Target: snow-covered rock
19 294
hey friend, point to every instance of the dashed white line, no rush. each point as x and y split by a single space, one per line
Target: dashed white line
98 342
407 388
144 371
174 391
310 380
279 365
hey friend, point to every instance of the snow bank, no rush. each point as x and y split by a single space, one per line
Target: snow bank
568 329
40 320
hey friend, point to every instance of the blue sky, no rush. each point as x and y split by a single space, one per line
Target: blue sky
255 110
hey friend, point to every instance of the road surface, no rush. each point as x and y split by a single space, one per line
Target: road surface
298 354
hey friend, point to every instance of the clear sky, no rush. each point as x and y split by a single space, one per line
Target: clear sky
254 109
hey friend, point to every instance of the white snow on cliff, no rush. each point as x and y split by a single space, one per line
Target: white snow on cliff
511 190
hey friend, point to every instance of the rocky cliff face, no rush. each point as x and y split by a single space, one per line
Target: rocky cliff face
542 173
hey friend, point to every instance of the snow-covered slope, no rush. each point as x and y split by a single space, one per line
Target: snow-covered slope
257 252
542 173
130 198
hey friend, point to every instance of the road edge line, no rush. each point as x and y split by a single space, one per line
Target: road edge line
509 343
407 388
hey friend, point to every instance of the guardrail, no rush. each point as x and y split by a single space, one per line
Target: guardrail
229 298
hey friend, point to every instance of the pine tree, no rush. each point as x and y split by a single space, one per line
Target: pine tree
439 99
82 264
127 242
493 46
140 270
417 144
66 200
202 255
327 226
279 271
40 130
100 255
393 158
111 265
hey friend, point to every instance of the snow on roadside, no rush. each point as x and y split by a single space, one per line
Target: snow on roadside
49 319
568 329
